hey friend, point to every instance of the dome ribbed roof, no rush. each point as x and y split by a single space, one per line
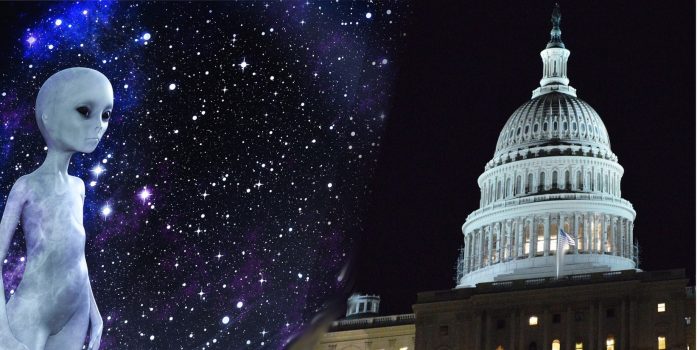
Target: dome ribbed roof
553 118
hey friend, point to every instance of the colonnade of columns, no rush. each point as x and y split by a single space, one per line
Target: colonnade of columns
536 235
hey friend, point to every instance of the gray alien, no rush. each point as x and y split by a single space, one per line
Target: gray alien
54 304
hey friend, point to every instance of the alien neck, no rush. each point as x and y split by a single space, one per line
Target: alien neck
56 162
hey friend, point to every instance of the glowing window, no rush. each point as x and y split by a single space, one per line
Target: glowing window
533 321
610 343
404 348
661 307
500 347
579 346
662 343
555 344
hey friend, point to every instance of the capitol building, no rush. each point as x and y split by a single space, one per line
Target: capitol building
549 259
553 169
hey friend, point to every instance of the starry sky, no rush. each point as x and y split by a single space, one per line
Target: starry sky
223 203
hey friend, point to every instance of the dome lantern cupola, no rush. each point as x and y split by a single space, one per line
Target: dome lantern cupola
554 60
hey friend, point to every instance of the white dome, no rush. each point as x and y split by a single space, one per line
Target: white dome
552 119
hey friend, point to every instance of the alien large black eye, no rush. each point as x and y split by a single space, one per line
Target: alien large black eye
84 111
106 115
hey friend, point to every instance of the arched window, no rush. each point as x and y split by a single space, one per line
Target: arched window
565 126
579 180
567 180
610 343
527 128
599 184
573 125
518 132
518 183
554 126
508 191
555 179
555 344
534 129
544 127
541 187
530 180
498 190
579 345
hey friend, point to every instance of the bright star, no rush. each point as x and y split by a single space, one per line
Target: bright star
243 65
58 22
31 40
98 170
144 194
106 210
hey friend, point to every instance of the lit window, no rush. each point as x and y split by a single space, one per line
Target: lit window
662 343
555 344
533 321
610 343
404 348
661 307
579 346
500 347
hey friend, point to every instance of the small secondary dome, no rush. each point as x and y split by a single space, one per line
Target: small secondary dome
553 118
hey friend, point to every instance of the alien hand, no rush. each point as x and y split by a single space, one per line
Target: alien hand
95 333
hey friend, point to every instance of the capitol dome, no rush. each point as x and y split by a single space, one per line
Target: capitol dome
550 119
551 202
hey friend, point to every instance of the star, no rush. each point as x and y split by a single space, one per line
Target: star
243 65
258 184
218 256
205 194
264 332
224 89
201 293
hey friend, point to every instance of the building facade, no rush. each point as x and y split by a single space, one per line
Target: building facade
549 260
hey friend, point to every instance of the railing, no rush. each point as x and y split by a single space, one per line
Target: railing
548 197
370 322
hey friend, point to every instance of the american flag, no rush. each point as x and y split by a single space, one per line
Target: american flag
565 238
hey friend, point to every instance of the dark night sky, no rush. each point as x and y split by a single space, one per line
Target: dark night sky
467 67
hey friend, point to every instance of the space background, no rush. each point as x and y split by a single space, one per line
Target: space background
223 201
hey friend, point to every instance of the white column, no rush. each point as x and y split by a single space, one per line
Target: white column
520 226
533 242
480 244
586 237
489 241
605 234
575 231
546 235
619 235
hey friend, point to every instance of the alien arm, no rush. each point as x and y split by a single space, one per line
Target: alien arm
95 317
8 224
94 311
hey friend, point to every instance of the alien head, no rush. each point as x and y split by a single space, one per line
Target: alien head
73 109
